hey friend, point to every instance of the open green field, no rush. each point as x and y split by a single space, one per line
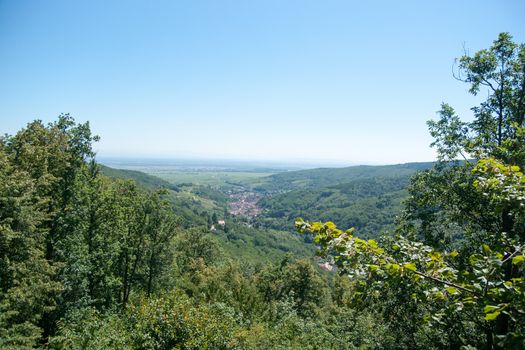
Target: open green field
218 178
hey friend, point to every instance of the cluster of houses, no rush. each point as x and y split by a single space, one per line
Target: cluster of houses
245 204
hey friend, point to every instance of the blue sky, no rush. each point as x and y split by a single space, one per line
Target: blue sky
342 81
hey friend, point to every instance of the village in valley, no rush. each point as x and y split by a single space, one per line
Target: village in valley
244 203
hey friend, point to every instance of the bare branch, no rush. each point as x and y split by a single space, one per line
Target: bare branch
513 254
440 281
487 83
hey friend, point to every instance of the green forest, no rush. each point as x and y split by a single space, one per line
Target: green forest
427 256
368 204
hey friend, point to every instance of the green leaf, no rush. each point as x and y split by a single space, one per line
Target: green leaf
435 256
410 266
518 259
451 290
453 254
393 268
490 308
316 226
330 225
492 316
372 243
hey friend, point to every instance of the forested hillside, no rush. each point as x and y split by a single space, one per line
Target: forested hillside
370 204
324 177
142 179
368 198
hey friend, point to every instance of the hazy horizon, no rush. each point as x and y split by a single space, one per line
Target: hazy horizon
182 163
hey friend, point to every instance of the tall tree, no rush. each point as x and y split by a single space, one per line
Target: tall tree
442 204
26 276
70 238
467 272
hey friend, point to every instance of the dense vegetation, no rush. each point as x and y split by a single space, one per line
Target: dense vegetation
93 261
142 179
368 198
368 204
325 177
